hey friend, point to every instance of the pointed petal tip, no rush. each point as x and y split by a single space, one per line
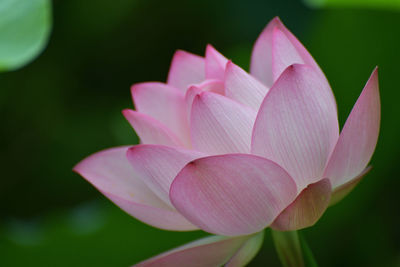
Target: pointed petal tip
127 112
277 19
139 86
359 136
179 53
210 48
229 65
374 74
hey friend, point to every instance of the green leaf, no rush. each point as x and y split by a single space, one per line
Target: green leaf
386 4
24 31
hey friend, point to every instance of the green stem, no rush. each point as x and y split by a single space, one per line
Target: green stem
293 250
289 250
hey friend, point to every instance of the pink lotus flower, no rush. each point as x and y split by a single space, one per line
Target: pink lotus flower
232 153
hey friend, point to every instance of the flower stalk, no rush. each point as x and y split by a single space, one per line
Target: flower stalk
292 249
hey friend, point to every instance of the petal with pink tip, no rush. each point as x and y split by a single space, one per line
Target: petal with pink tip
306 210
215 64
220 125
297 125
208 251
275 49
110 172
151 131
242 87
358 138
158 165
186 69
165 104
214 86
247 252
232 194
343 190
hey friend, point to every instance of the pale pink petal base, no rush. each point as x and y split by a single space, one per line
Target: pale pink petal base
233 194
343 190
110 172
306 210
247 252
209 251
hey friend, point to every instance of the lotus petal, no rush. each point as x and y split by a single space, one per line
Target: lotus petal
358 138
220 125
297 125
110 172
186 69
232 194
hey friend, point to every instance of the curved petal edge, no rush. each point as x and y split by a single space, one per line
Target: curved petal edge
232 194
110 172
306 210
208 251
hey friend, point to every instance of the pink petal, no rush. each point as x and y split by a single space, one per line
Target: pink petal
242 87
284 53
151 131
358 138
247 252
158 165
165 104
186 69
275 49
214 86
110 172
215 64
306 210
209 251
343 190
220 125
233 194
297 125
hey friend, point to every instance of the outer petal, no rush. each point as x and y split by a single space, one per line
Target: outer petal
215 64
164 103
151 131
220 125
209 251
343 190
110 172
186 69
306 210
297 125
242 87
158 165
358 138
276 49
233 194
247 252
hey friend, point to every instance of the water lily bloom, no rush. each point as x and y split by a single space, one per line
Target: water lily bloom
232 153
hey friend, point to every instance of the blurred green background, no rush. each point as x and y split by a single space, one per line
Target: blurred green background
66 105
